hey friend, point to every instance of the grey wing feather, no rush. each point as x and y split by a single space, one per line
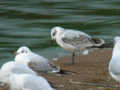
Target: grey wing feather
39 63
77 39
41 66
74 33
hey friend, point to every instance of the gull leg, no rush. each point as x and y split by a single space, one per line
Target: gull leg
73 58
118 86
79 56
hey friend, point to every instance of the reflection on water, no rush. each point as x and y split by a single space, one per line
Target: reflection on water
28 22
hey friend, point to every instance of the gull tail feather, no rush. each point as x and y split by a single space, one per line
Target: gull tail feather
98 42
55 69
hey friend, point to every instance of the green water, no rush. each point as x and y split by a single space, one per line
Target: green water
28 22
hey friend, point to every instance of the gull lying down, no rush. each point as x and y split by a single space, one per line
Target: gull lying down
21 77
25 56
12 67
28 82
73 40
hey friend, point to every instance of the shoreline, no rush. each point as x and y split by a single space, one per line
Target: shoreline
90 72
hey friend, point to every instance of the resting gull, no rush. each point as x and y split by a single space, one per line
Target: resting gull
25 56
21 77
28 82
73 40
114 65
13 67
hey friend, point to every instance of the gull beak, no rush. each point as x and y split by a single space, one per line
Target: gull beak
15 53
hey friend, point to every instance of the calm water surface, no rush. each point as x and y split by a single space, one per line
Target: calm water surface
28 22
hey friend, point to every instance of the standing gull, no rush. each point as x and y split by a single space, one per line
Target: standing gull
73 40
114 65
25 56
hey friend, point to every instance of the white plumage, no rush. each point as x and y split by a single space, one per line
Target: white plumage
21 77
25 56
28 82
11 67
73 40
114 65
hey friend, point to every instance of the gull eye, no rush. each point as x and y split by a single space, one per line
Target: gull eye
54 33
22 51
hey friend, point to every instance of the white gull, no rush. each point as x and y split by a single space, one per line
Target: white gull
28 82
25 56
114 64
21 77
74 40
11 67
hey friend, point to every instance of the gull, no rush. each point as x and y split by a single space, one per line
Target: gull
74 40
114 64
25 56
13 67
21 77
28 82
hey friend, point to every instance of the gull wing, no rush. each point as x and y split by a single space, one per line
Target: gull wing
77 39
39 63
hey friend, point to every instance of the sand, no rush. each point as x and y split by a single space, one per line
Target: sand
90 72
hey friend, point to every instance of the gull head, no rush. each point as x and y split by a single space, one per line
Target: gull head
116 49
23 50
55 31
116 39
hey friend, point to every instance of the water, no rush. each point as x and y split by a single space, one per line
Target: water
28 22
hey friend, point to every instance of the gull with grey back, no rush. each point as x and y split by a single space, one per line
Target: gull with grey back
74 40
38 63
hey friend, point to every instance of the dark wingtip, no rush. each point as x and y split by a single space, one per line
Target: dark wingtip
98 42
